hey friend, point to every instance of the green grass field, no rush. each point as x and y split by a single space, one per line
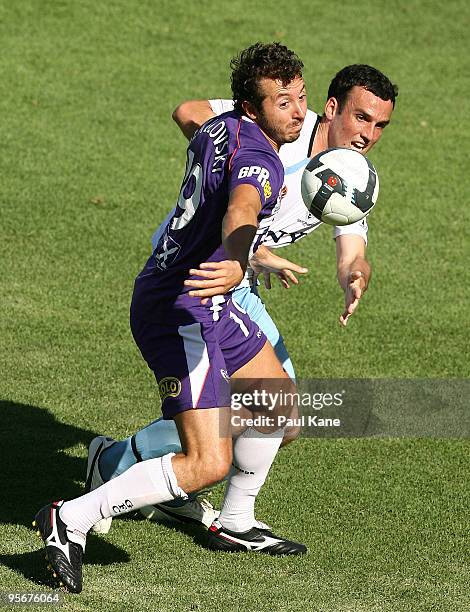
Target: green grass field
91 162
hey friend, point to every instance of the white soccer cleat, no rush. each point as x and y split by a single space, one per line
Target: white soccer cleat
93 476
195 511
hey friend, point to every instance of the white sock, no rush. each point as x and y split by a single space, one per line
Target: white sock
253 455
146 483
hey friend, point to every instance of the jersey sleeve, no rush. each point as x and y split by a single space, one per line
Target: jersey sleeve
360 228
220 106
263 171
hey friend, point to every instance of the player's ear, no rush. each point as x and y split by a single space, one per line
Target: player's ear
331 108
250 110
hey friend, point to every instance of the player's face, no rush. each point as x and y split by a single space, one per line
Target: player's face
282 111
362 121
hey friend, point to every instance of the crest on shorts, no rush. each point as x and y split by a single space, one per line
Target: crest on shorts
169 387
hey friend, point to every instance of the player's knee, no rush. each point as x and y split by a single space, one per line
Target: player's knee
292 426
290 434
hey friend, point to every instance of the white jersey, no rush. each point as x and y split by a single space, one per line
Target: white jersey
293 221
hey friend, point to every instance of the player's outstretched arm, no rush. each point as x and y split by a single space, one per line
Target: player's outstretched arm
238 231
353 271
265 262
190 115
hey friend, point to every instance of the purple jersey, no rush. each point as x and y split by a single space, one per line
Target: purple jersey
227 151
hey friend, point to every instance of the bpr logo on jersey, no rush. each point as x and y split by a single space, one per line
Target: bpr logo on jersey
261 173
169 387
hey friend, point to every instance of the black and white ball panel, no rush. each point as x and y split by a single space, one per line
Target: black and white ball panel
340 186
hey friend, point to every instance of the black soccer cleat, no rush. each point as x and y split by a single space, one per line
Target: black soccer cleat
256 540
194 511
64 548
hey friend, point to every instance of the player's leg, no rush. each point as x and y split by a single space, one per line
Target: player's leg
181 360
161 436
253 454
64 525
155 440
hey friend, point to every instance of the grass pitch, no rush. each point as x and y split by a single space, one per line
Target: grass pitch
91 162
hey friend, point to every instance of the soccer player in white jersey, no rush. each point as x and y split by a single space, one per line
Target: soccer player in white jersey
359 105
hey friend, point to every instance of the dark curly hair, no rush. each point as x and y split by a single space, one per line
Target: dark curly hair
361 75
272 61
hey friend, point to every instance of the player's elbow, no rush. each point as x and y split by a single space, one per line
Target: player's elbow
180 113
187 119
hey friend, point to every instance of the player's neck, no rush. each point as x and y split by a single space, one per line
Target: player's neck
273 143
320 142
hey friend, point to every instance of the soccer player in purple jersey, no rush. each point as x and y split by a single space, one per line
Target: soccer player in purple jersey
190 332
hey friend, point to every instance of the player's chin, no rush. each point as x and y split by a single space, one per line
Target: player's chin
292 135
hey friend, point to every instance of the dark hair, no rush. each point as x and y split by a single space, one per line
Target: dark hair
365 76
272 61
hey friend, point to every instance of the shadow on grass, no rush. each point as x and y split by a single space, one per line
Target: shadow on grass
198 533
32 565
35 467
35 471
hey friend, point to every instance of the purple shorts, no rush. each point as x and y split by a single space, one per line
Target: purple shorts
193 359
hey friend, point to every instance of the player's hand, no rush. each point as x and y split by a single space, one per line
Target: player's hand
265 262
217 278
354 291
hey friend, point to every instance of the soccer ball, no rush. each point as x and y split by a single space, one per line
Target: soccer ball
340 186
